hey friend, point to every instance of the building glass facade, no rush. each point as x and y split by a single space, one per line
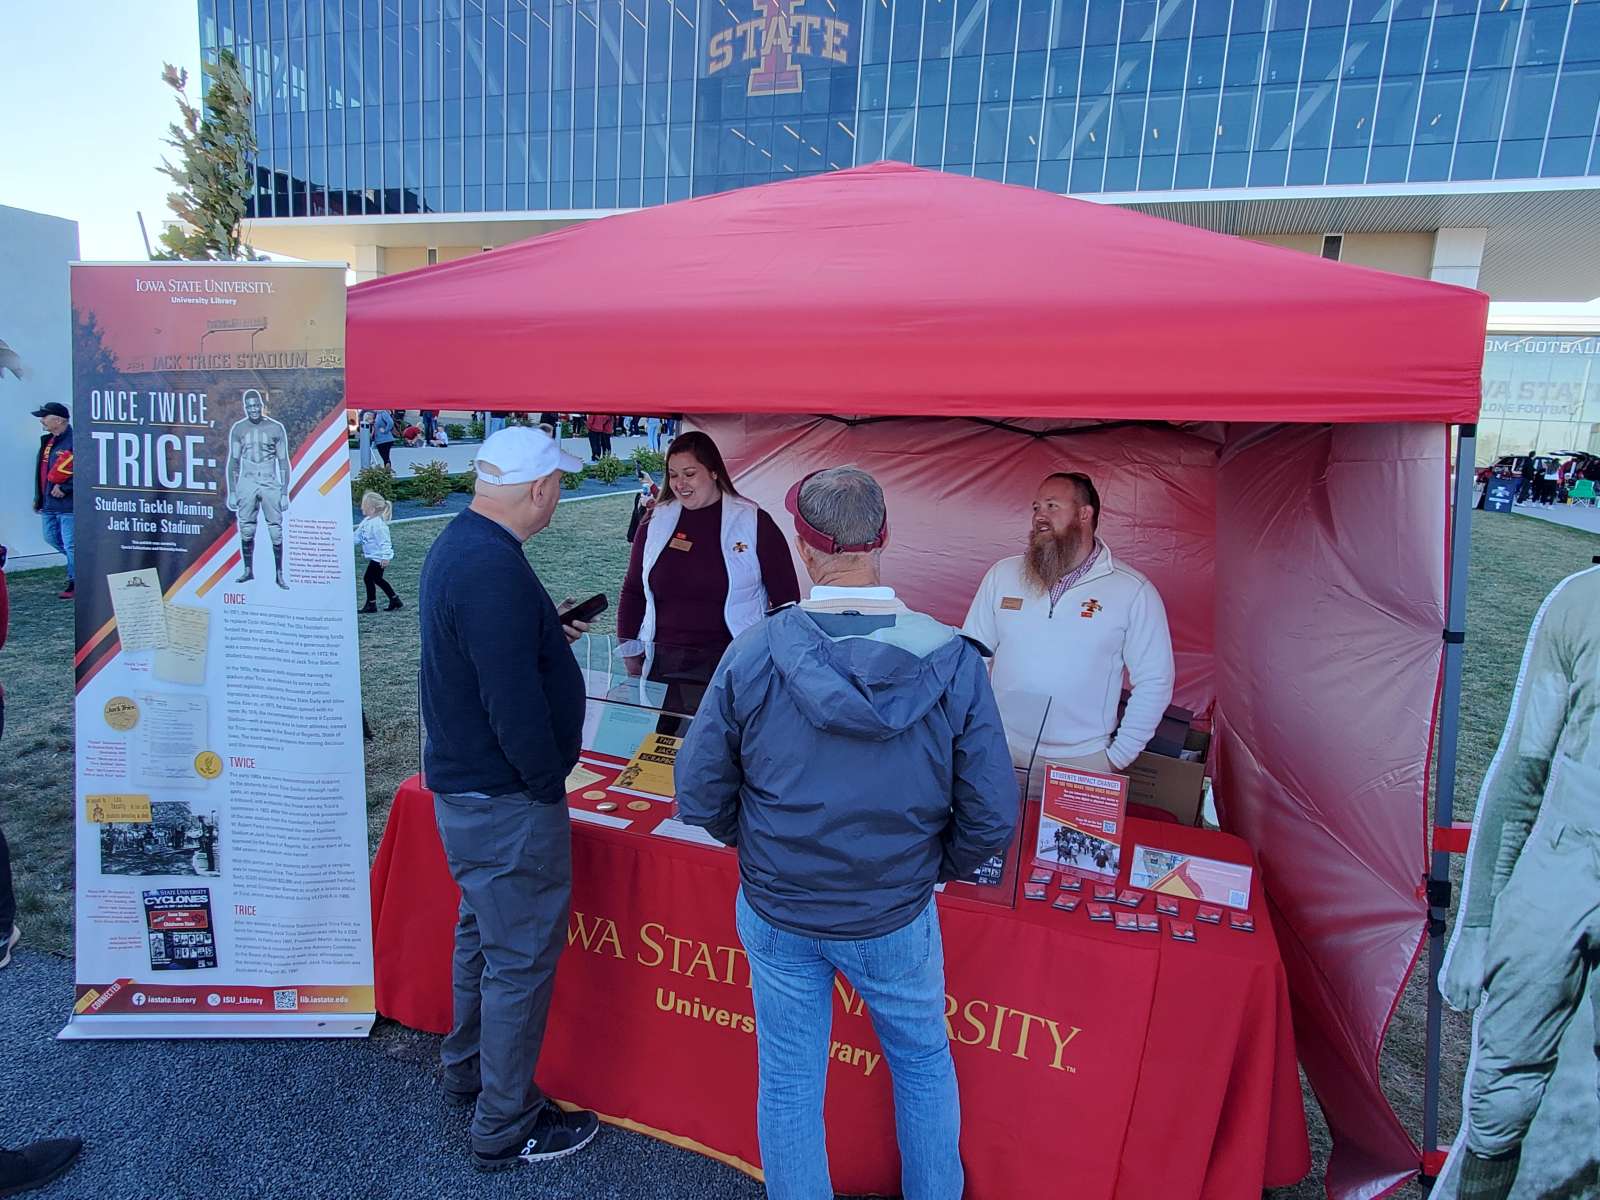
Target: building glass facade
391 106
1541 391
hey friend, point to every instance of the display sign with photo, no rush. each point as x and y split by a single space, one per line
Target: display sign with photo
1081 821
221 841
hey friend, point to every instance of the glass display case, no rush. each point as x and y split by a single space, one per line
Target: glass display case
638 708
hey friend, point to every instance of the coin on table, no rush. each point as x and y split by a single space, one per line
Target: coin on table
639 805
597 794
607 806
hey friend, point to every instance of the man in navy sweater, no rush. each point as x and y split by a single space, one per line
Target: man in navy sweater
502 701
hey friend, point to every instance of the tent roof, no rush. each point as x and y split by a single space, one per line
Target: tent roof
893 290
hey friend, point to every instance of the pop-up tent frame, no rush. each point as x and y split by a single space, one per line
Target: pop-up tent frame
1270 432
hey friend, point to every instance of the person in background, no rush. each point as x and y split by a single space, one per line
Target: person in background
502 700
1063 620
430 422
52 485
383 436
600 426
440 437
1530 473
706 565
652 427
1552 483
373 536
10 934
882 770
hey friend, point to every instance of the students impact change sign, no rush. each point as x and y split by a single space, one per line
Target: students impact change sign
221 815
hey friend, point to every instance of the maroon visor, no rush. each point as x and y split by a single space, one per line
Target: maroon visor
813 536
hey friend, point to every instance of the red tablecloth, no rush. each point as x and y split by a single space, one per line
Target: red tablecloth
1092 1062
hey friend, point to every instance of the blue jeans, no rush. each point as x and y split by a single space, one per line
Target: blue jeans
901 977
653 428
58 532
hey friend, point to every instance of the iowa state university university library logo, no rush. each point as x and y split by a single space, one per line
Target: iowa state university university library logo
772 41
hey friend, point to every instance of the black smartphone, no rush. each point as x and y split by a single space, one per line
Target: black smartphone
586 611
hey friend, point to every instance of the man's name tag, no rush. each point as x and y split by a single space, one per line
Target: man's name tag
1011 603
679 542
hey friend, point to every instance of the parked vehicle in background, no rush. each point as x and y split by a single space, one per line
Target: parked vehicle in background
1509 466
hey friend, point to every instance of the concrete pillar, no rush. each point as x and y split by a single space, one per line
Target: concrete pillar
1457 256
368 263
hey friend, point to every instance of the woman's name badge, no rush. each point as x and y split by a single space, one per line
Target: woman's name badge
679 542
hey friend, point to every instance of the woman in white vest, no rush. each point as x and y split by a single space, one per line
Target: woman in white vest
706 565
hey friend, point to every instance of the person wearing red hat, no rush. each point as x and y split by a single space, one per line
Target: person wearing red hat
52 484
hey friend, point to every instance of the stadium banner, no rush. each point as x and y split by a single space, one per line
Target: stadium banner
221 797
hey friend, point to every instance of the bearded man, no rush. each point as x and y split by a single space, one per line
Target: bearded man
1063 621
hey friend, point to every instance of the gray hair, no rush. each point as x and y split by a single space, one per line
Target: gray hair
844 502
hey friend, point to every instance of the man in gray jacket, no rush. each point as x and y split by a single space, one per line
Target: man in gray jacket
852 751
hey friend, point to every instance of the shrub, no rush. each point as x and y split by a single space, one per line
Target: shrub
474 431
609 469
575 480
373 479
432 481
648 460
456 430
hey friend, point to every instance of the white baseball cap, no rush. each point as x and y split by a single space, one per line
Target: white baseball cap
520 454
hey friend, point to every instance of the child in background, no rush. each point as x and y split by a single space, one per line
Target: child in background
373 534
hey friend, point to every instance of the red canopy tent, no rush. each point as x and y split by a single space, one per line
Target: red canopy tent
1269 432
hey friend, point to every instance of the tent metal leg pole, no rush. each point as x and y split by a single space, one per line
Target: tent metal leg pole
1455 633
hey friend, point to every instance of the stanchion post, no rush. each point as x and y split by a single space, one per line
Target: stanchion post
1455 636
364 442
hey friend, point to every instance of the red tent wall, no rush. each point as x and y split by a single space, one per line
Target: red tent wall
1330 561
1302 572
958 497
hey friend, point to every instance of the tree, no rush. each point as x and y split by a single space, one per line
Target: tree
215 172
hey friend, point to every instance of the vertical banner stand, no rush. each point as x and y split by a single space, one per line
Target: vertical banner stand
220 799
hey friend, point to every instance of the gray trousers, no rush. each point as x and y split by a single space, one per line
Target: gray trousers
512 859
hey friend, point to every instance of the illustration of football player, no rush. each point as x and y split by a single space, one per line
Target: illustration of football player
1524 945
258 480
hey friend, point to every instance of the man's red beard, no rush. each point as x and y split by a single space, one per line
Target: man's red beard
1050 556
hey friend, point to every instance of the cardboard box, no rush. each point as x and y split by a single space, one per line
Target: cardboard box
1171 784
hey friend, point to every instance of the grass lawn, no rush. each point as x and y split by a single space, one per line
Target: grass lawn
1515 562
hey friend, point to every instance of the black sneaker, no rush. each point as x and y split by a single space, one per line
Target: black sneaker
36 1165
555 1134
